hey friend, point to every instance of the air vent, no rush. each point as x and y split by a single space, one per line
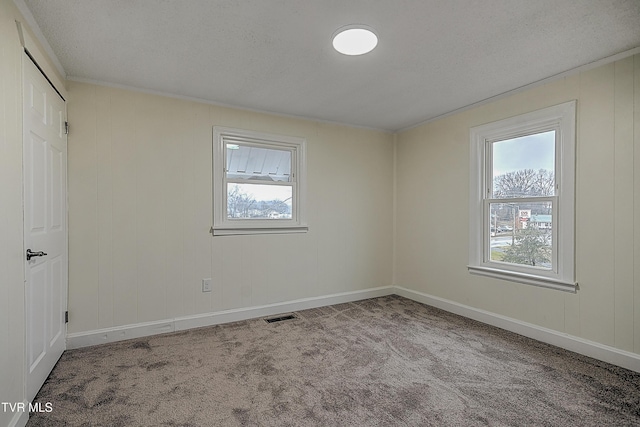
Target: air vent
280 318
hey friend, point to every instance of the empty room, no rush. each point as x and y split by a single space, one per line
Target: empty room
319 213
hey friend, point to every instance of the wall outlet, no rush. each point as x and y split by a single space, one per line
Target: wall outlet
206 285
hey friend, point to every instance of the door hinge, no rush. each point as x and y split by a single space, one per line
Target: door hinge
66 317
66 128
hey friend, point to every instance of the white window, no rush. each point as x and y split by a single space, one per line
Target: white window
522 181
258 182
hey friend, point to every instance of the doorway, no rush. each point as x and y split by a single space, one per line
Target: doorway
45 224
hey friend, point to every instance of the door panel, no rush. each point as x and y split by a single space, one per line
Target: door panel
36 182
37 100
36 313
56 210
45 225
56 321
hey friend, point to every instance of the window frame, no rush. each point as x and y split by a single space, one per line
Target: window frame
562 119
222 225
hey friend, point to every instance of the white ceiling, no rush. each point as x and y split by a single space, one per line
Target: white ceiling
433 56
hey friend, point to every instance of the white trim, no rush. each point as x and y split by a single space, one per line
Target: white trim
118 333
41 60
20 418
579 345
222 104
562 119
524 278
568 73
573 71
221 231
582 346
235 315
138 330
33 25
222 226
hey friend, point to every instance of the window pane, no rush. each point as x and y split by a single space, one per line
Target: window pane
259 201
524 166
259 164
521 234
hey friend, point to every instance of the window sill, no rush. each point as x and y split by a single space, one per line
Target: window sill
527 279
239 231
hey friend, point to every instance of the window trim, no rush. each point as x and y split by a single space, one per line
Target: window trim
222 226
562 119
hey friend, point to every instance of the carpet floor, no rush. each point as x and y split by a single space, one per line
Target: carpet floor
385 361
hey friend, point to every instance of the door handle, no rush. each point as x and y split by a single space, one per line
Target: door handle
31 254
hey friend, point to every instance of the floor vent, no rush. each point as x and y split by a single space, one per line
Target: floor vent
280 318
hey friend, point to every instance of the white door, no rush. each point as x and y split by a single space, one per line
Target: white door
45 224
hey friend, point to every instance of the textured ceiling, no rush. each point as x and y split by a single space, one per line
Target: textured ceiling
433 57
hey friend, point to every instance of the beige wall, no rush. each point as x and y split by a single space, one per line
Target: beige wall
433 196
12 316
140 210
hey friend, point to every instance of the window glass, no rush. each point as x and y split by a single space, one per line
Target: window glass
524 166
522 233
259 201
255 163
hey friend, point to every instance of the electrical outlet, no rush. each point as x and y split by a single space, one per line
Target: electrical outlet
206 285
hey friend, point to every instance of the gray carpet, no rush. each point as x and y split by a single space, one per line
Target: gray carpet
380 362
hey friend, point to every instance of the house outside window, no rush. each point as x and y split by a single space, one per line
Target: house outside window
522 201
258 182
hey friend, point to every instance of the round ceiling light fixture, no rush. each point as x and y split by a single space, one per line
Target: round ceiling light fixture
355 40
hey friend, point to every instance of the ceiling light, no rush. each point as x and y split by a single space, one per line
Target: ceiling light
355 40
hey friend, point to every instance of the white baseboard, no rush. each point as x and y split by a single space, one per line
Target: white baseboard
209 319
118 333
138 330
582 346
